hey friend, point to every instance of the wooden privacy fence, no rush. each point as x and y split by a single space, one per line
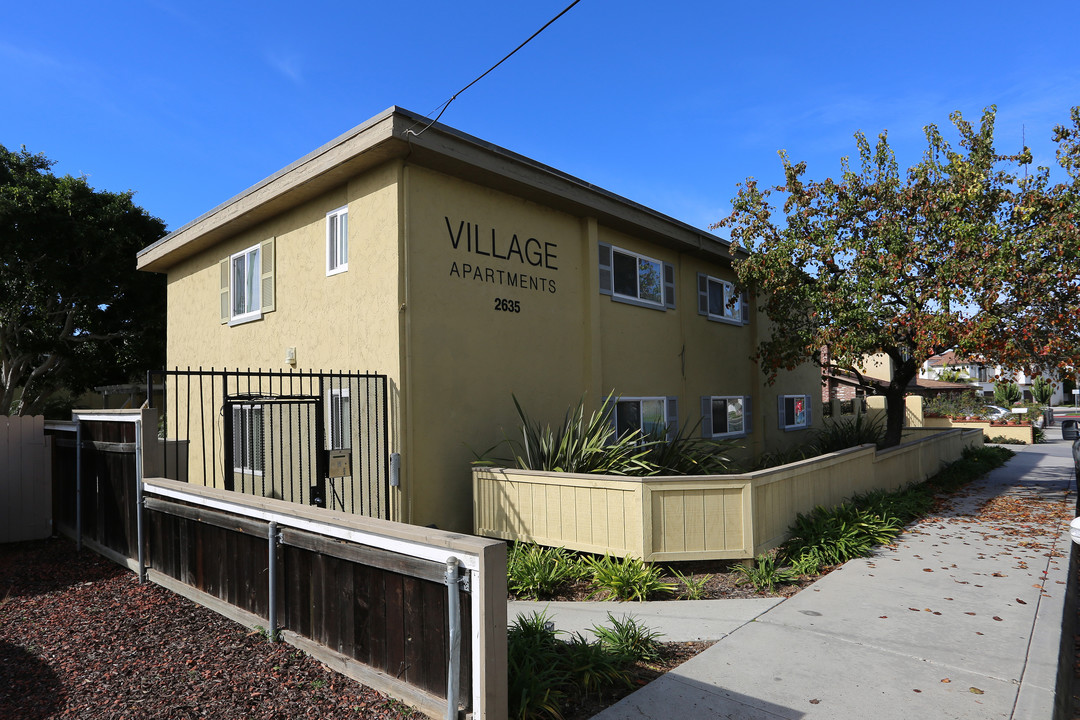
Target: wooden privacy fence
25 490
415 612
700 517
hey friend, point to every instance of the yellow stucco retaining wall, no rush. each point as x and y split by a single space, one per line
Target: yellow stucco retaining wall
1024 433
695 518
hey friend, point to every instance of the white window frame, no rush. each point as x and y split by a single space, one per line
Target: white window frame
806 411
339 423
743 415
337 241
669 420
252 460
730 313
252 260
606 264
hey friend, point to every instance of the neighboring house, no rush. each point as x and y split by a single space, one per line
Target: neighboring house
467 273
873 377
982 378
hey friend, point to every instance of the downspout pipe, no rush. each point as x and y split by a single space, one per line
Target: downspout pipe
454 608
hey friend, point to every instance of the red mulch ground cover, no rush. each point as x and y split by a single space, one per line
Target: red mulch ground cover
81 638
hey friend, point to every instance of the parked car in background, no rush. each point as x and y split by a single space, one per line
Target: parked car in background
996 412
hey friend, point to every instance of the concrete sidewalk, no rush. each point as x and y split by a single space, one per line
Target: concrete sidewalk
959 619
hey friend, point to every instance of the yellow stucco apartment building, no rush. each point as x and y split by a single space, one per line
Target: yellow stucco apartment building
468 275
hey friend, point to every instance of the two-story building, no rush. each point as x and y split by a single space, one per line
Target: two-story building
469 275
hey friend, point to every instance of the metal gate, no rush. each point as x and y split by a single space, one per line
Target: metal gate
311 438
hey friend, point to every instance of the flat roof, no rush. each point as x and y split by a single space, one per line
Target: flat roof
397 133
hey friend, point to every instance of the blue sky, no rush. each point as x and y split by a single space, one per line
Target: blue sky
669 104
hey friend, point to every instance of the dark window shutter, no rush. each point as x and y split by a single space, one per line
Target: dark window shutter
748 415
605 269
669 285
226 309
706 416
672 417
266 275
744 300
702 294
780 419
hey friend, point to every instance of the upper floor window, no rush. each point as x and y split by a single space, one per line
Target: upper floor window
655 417
636 279
720 300
337 241
247 284
725 416
793 412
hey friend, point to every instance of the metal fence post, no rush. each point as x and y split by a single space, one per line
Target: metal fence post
78 484
139 509
272 579
453 606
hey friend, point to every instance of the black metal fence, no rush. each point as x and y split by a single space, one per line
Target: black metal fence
314 438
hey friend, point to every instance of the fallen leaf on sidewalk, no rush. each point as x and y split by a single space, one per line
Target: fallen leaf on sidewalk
946 680
997 618
815 701
975 691
1021 601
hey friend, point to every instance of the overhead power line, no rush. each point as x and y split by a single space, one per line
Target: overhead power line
479 78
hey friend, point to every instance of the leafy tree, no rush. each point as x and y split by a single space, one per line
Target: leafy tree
74 312
1007 393
1042 390
958 252
953 375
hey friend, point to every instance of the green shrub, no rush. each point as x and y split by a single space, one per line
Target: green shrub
1042 390
785 457
537 572
629 639
832 537
581 444
1007 393
693 589
543 670
625 579
848 432
962 404
536 675
686 454
764 574
592 666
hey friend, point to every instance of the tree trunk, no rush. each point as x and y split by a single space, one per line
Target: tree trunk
895 407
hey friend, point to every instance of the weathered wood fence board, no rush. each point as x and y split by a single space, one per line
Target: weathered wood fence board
25 487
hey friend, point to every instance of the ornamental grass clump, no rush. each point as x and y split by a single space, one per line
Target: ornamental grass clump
629 639
580 444
544 671
765 574
625 579
848 432
535 572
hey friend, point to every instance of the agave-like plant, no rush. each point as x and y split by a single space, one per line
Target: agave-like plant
581 444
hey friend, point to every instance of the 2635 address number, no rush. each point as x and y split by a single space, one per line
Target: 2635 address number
504 305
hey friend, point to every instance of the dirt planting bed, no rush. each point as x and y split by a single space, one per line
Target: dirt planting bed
81 638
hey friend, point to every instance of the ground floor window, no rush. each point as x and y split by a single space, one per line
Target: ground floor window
793 411
725 416
247 432
653 416
340 419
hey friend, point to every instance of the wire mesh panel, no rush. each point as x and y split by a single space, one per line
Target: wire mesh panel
313 438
